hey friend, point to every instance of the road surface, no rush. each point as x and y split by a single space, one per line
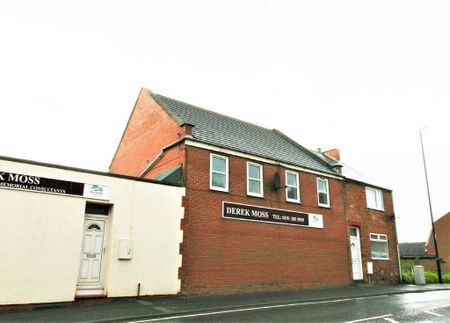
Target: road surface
415 307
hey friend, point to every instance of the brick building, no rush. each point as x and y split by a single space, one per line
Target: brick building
442 229
261 211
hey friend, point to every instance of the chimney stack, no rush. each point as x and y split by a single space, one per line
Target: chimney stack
185 130
333 153
336 155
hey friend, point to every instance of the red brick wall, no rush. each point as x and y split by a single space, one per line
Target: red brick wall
149 129
172 157
442 228
223 255
373 221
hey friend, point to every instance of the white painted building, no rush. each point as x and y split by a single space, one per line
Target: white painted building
68 233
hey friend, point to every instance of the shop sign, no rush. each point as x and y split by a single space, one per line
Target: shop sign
270 215
54 186
95 191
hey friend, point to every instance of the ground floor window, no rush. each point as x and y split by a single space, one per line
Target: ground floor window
379 246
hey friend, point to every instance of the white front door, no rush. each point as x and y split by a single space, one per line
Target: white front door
355 249
90 279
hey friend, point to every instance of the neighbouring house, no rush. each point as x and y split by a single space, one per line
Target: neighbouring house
442 229
415 253
371 222
412 250
261 212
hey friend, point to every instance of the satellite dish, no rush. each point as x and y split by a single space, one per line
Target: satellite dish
276 181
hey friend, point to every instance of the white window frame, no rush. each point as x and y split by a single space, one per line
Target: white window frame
378 199
379 239
261 180
328 192
211 171
297 200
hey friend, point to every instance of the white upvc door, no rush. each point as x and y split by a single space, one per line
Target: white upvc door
355 249
90 279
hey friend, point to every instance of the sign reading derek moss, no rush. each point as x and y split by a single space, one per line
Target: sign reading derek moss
269 215
55 186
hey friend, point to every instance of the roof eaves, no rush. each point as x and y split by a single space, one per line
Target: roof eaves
307 151
266 157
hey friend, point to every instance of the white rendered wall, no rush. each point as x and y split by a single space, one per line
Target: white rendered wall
41 237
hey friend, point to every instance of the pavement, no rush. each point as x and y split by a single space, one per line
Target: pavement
127 309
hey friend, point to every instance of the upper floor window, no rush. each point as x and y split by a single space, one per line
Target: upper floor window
292 187
218 179
254 179
379 245
323 195
374 199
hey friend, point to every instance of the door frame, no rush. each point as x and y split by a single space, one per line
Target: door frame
358 236
93 289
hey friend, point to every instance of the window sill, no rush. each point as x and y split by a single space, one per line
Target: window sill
294 202
371 208
381 259
219 190
256 196
324 206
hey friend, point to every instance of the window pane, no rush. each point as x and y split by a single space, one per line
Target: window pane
253 171
254 186
371 200
323 198
218 180
379 249
379 199
292 193
219 164
353 232
322 185
291 179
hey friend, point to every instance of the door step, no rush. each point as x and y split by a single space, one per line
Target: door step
90 293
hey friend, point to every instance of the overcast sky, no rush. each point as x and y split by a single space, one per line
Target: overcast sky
362 76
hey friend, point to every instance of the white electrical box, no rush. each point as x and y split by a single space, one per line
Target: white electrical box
370 268
125 249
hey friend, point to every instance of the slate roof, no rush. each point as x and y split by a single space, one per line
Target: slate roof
171 176
412 250
223 131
